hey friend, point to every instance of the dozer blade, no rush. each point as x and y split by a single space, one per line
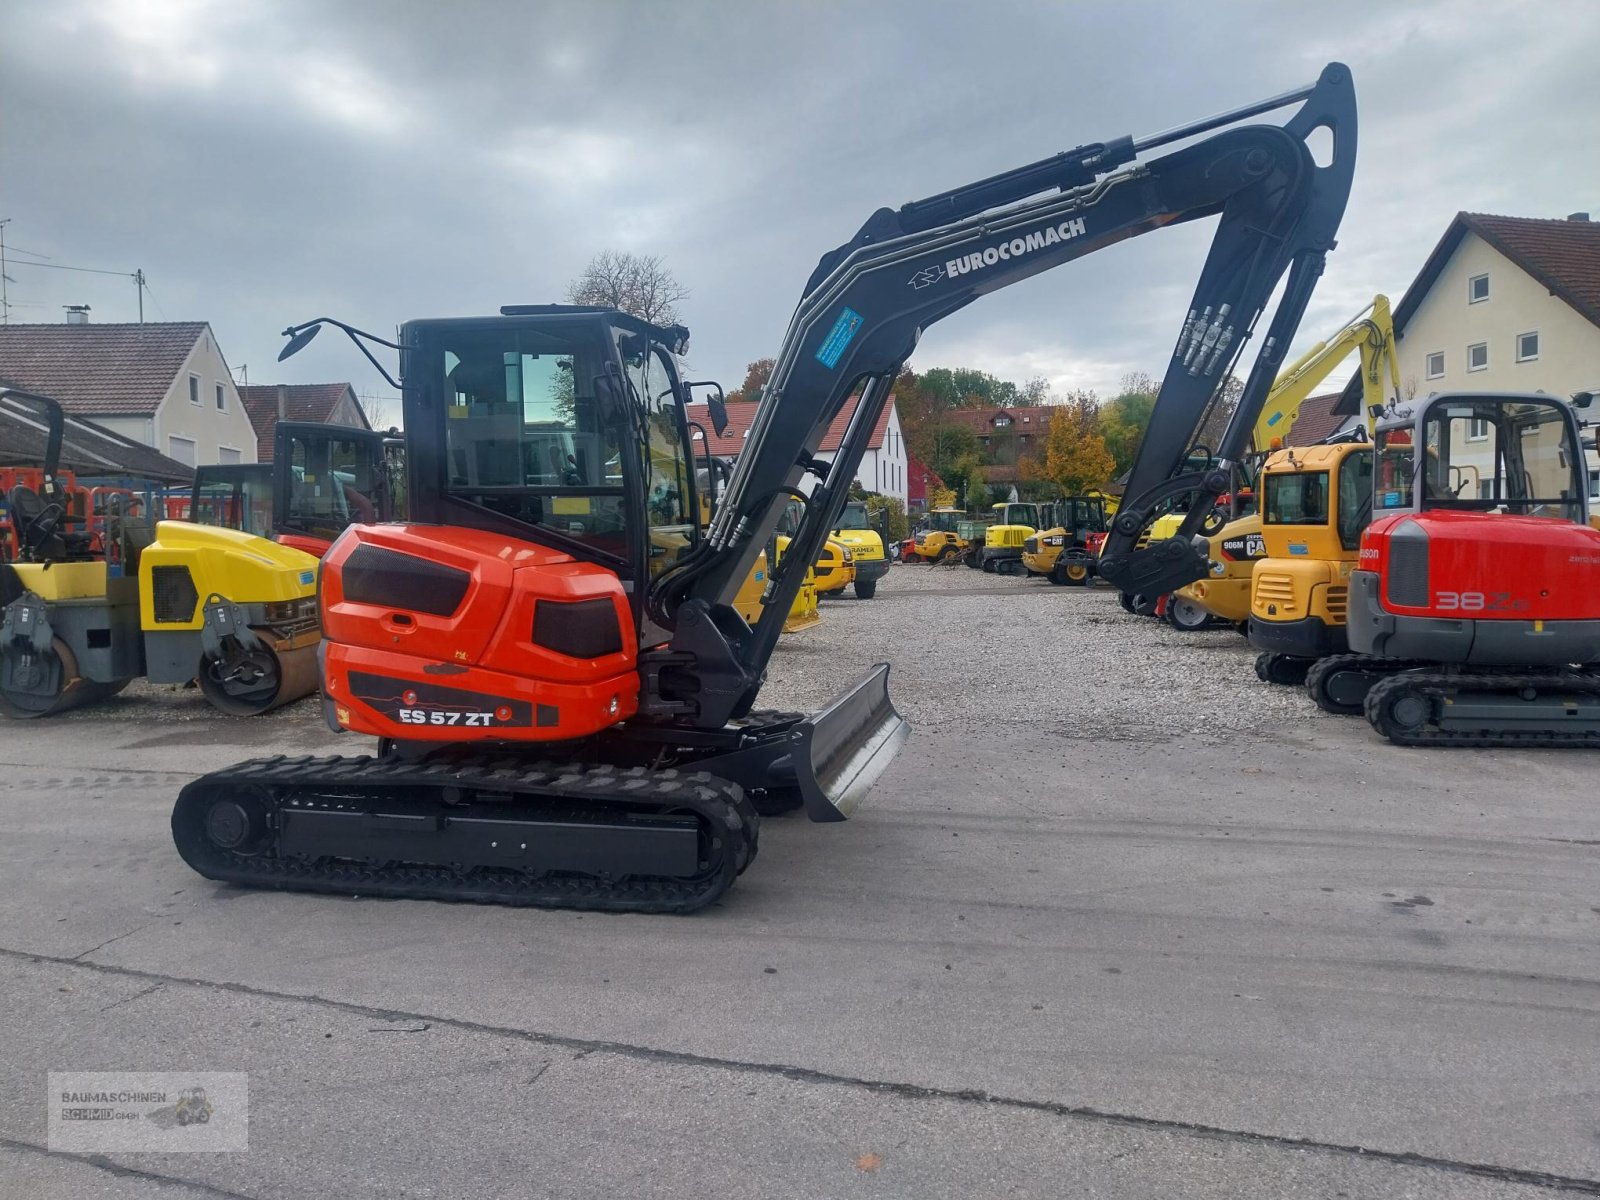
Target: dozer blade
839 752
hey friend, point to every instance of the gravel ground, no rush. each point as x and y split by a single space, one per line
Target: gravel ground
998 648
1016 650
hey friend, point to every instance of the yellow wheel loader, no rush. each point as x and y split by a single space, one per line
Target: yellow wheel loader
938 538
865 545
82 615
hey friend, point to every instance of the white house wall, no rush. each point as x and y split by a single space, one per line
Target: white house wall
1445 322
1569 345
212 430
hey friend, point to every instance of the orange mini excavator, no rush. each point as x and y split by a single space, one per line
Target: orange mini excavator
564 696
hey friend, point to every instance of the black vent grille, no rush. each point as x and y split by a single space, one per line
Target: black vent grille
1408 566
172 595
373 575
580 629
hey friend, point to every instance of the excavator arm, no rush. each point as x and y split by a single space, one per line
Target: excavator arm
1371 332
869 300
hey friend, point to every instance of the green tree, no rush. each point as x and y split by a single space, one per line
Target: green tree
887 512
1125 416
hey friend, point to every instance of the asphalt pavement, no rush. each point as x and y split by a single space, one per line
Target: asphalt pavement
1044 959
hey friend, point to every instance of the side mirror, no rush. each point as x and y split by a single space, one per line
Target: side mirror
610 396
716 405
1582 399
298 340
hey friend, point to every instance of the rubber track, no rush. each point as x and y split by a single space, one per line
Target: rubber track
1438 685
573 789
1334 663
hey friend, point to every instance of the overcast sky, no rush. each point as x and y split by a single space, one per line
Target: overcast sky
264 163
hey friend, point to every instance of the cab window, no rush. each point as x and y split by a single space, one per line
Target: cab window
1300 499
668 469
524 436
1355 497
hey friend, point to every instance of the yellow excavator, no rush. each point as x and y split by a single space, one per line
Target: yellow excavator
998 549
1065 552
1238 548
1315 502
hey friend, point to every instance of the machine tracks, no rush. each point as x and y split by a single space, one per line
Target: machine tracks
1339 683
1548 709
483 828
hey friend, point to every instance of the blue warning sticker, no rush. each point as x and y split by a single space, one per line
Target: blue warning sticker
308 577
839 338
1299 548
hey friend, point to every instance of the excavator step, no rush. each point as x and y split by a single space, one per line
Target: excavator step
458 825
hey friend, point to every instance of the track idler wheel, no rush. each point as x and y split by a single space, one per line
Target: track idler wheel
1399 711
1282 669
258 680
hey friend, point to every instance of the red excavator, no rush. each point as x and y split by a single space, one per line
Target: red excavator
1473 610
564 696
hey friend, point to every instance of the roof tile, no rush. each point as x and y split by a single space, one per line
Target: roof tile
99 370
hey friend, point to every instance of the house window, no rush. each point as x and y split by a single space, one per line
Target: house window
1477 289
1002 422
1478 430
181 449
1436 365
227 454
222 398
194 389
1478 356
1527 346
1485 488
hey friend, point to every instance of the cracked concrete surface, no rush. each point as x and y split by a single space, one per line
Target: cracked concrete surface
1293 962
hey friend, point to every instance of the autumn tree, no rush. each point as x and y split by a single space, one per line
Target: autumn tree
638 284
756 376
1076 459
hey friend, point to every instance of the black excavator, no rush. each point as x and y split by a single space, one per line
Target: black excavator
564 696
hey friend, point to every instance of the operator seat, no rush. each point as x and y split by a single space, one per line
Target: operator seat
38 523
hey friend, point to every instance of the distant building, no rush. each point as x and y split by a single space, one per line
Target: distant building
323 403
163 383
920 480
87 450
1506 304
1318 419
1005 436
883 465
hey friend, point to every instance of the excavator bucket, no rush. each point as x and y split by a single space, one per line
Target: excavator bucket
839 752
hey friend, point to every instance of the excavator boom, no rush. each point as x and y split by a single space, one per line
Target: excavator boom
869 300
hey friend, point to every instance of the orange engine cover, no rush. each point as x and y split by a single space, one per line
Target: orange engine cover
438 633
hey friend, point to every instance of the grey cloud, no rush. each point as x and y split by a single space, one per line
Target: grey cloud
266 163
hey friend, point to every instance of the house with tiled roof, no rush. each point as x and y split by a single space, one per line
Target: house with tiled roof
324 403
883 465
162 383
1006 436
1502 304
1509 303
1319 418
